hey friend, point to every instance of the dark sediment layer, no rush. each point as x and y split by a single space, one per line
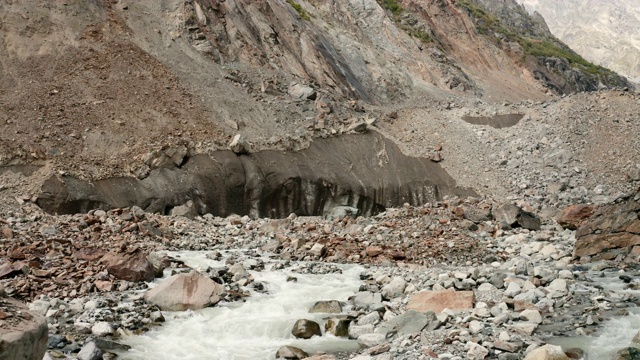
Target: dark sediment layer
496 121
366 171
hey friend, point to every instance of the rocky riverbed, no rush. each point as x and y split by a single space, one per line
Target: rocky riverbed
465 278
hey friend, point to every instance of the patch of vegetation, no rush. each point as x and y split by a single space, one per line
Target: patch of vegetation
391 5
396 10
489 24
303 14
422 35
547 48
486 22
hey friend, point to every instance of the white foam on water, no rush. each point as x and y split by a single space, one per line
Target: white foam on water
614 335
254 329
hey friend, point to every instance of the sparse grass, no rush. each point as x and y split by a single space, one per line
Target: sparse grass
392 6
303 14
396 10
487 23
547 48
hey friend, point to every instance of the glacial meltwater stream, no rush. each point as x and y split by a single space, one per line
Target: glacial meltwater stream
613 334
253 329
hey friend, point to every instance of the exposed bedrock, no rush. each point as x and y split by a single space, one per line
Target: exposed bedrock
365 171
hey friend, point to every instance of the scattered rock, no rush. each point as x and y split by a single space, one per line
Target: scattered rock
337 327
239 145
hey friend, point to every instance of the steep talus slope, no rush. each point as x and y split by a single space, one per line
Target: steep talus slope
75 91
607 34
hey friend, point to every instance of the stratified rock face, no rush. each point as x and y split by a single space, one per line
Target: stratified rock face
612 230
573 216
24 339
185 291
368 172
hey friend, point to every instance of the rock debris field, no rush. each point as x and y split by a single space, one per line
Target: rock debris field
464 278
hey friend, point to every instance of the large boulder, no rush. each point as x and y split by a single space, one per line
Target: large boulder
612 230
547 352
573 216
409 323
132 265
367 300
326 306
291 353
185 291
437 301
511 216
90 351
24 334
394 288
301 92
305 329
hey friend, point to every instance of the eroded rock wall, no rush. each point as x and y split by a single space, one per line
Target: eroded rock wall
365 171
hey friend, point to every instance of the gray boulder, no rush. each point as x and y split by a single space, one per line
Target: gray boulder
367 300
411 322
291 353
327 307
239 145
302 92
90 351
185 291
394 288
305 329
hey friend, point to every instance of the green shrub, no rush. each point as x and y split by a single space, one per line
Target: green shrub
391 5
487 23
547 48
303 14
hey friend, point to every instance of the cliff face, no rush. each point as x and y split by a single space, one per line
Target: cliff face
607 34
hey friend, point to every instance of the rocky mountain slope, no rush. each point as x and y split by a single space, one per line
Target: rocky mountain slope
607 34
110 89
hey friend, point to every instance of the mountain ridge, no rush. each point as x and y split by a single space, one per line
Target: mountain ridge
611 38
